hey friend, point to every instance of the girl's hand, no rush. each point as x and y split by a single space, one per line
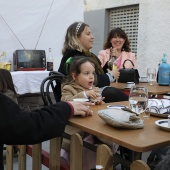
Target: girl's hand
92 93
99 102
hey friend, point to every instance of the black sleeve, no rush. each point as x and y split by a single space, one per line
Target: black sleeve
105 67
62 66
103 80
18 127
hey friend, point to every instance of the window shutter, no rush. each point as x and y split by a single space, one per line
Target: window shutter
126 18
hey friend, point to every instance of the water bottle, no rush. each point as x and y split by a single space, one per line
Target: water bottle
50 61
164 72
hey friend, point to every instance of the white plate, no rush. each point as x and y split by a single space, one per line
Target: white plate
81 100
163 124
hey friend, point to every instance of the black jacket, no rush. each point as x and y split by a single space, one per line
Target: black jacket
102 79
18 127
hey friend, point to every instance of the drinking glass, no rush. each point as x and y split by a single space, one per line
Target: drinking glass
112 64
151 74
138 100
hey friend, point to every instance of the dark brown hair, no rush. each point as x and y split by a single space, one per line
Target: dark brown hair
120 33
75 65
6 82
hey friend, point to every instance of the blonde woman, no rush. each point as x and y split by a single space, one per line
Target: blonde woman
79 41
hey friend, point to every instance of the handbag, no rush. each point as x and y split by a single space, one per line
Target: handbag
128 74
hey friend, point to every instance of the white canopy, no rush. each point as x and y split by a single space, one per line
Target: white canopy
39 24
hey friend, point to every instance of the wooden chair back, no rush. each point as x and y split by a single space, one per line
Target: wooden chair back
139 165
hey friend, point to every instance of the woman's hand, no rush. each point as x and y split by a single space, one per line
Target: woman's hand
114 52
82 108
115 73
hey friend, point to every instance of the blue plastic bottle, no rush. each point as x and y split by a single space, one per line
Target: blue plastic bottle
164 72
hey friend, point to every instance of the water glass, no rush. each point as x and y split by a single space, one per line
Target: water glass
138 100
151 75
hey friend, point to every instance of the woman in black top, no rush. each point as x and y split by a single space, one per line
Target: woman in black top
79 41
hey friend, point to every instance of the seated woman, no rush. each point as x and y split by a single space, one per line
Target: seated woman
117 46
79 41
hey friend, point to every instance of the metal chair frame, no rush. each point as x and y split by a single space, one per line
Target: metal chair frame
53 81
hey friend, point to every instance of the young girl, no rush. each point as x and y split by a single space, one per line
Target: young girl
81 80
6 87
80 84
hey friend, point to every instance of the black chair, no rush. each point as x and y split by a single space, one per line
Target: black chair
51 73
51 89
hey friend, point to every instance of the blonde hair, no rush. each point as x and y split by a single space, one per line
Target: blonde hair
73 32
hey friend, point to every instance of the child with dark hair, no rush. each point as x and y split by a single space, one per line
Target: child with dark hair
81 81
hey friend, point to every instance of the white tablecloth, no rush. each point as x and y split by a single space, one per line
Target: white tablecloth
28 81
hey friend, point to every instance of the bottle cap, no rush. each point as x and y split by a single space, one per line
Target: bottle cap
164 59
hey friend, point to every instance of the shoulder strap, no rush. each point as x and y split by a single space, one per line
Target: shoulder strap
128 60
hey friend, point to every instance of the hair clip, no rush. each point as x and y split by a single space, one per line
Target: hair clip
78 27
67 64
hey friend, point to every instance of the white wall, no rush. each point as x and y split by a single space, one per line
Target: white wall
26 19
153 30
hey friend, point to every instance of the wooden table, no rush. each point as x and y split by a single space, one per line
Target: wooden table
152 89
138 140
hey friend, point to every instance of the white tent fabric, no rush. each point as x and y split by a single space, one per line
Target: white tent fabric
26 19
